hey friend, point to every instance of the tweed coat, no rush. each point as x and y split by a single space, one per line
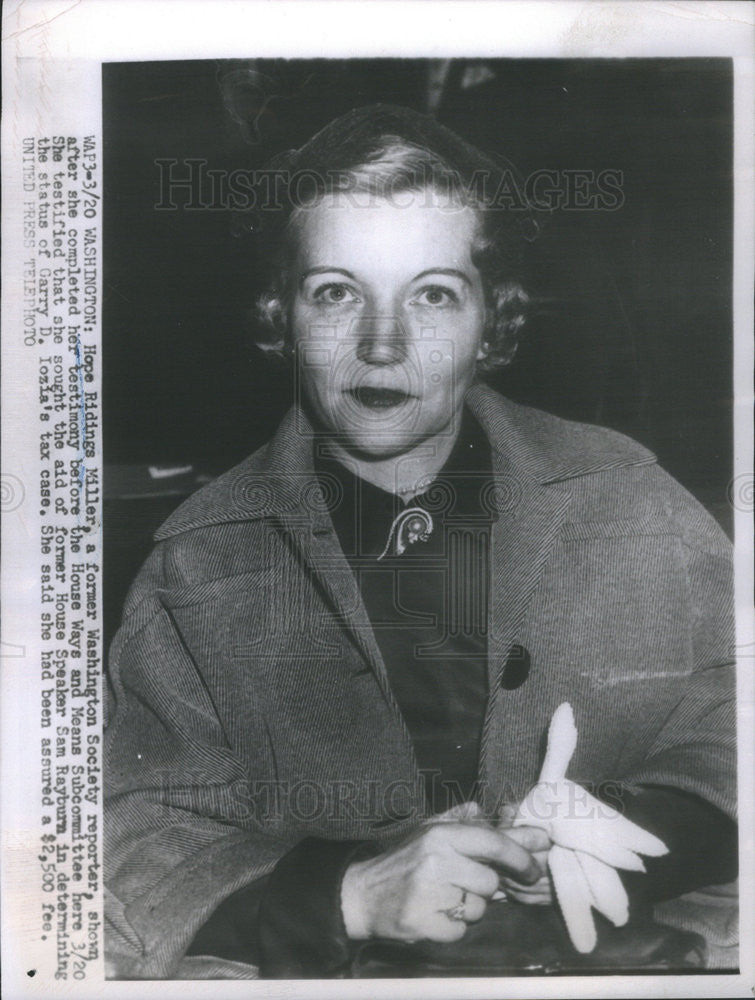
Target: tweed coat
250 706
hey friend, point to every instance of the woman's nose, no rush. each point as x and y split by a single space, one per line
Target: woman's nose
381 340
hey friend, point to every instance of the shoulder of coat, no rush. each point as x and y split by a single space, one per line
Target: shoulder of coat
549 448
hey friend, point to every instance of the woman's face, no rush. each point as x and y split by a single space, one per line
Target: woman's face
387 313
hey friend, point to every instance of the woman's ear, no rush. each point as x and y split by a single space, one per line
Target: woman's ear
484 349
272 328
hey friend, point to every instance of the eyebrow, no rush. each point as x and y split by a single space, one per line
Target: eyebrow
450 271
325 270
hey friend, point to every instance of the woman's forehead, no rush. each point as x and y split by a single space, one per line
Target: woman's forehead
410 229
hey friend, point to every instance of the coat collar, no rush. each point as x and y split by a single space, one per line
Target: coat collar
529 448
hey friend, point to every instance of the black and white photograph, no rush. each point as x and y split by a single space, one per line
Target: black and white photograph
377 499
417 371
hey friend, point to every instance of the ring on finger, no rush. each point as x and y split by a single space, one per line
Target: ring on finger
458 912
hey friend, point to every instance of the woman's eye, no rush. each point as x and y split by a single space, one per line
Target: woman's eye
334 294
436 295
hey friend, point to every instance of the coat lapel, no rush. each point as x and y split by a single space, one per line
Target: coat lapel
316 542
303 514
309 528
531 509
521 541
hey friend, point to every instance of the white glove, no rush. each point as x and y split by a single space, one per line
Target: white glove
590 839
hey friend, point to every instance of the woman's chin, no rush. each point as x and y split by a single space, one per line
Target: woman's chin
377 446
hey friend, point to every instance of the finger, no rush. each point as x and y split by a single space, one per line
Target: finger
444 897
497 848
540 892
543 884
468 811
474 907
541 899
442 928
541 857
506 816
470 908
465 812
445 869
471 876
541 860
532 838
428 912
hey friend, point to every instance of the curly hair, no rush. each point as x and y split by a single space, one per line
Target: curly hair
381 151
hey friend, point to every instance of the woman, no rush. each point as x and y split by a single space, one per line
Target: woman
335 673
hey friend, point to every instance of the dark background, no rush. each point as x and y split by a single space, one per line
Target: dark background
631 326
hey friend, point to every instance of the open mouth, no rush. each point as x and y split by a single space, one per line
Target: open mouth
378 399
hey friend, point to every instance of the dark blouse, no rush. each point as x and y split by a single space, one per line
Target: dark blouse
428 605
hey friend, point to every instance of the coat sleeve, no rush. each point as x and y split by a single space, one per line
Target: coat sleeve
180 827
696 749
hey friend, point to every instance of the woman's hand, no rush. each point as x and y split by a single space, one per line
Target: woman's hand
539 893
436 881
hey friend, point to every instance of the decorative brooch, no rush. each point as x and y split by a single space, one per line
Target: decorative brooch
412 525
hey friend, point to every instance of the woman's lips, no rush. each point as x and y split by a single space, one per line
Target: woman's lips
378 399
